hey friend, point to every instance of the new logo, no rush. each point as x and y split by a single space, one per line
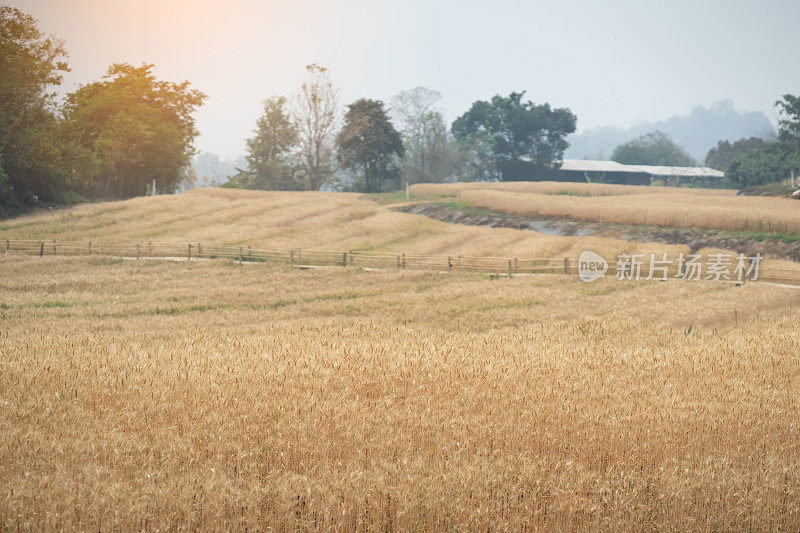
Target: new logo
591 266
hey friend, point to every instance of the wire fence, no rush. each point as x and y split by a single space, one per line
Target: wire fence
508 266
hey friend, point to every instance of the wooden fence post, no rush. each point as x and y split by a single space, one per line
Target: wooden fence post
404 259
89 249
291 258
398 260
449 263
509 269
344 259
54 247
199 250
189 248
240 256
41 249
566 265
138 250
8 245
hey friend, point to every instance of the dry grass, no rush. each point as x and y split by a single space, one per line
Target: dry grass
148 395
662 207
283 221
558 188
204 395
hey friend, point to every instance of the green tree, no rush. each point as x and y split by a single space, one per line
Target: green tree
721 156
774 162
272 152
789 125
368 145
31 64
654 148
138 127
520 131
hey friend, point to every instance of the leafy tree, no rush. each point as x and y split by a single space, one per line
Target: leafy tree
476 160
520 131
654 148
771 163
31 63
721 156
315 111
789 126
272 152
430 154
368 144
138 127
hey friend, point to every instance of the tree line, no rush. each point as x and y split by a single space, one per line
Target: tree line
108 138
746 162
118 136
379 146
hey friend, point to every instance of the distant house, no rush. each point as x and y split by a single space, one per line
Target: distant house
584 170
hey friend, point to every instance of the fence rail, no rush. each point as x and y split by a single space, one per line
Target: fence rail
309 258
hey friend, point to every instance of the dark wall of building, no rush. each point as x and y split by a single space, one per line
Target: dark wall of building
525 171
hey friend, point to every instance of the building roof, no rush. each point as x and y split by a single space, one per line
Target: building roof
697 172
589 165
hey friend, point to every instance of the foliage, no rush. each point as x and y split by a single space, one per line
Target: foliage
519 131
368 145
138 128
430 153
789 108
726 152
771 163
31 63
476 159
272 153
655 148
315 109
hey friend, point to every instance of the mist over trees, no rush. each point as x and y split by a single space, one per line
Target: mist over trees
114 137
721 156
655 148
696 132
430 153
772 161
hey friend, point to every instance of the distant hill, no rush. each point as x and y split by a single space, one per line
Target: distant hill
697 132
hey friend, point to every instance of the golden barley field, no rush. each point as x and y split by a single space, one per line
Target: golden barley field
205 395
628 204
161 395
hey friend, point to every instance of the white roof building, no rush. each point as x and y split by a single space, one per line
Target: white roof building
589 165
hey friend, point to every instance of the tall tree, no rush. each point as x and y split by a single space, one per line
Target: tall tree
771 163
139 128
368 144
430 155
789 125
520 131
272 152
31 64
315 111
725 153
654 148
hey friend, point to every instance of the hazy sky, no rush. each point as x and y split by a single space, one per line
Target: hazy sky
612 62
